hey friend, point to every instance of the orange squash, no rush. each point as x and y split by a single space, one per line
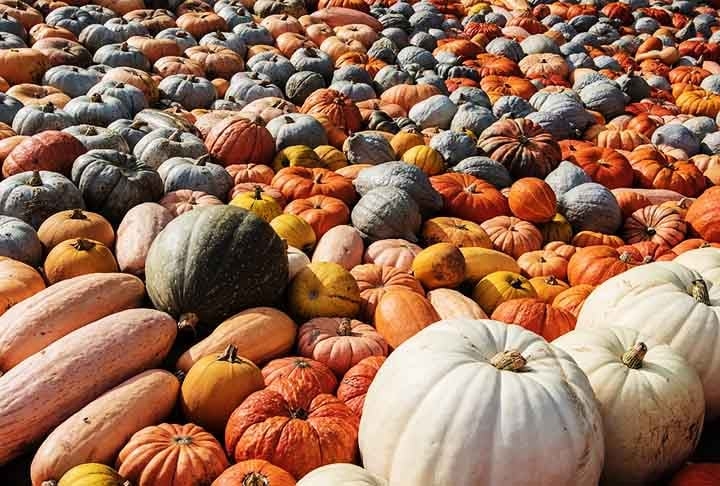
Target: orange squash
499 287
543 263
401 314
78 256
254 472
354 386
573 298
456 231
305 373
375 280
75 223
18 281
547 288
593 265
439 265
513 236
533 200
536 316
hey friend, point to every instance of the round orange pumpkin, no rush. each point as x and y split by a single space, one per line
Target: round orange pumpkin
593 265
354 385
704 215
536 316
456 231
239 140
304 373
543 263
78 256
439 265
533 200
75 223
661 225
254 472
375 280
468 197
400 314
513 236
321 212
547 288
18 281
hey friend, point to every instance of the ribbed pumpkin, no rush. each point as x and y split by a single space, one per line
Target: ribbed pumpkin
481 262
185 453
468 197
296 156
536 316
259 203
656 170
339 343
543 263
324 289
215 386
375 280
513 236
604 166
557 229
661 225
295 231
439 265
429 160
401 314
330 157
547 288
340 109
18 281
357 380
320 212
303 182
78 256
573 298
250 173
563 249
533 200
594 238
456 231
75 223
499 287
593 265
254 472
703 216
304 373
92 474
404 141
239 140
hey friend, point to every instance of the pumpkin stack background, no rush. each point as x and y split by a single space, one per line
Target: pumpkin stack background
388 242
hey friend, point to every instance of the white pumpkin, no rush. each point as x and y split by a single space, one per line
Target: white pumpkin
703 260
340 475
667 303
451 304
297 260
480 402
651 401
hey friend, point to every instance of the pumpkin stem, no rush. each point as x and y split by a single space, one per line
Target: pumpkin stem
345 327
625 257
633 357
255 479
90 132
81 244
174 136
48 107
78 214
35 180
258 193
189 320
299 413
516 283
699 291
508 361
96 98
124 47
203 159
551 280
52 482
230 354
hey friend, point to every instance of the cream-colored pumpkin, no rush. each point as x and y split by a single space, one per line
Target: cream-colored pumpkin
480 402
651 402
297 260
703 260
666 303
451 304
341 475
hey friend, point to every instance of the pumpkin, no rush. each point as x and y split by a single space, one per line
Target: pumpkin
668 286
591 206
616 361
296 156
386 212
182 452
655 170
533 200
339 109
259 203
215 386
354 385
480 262
23 65
319 425
536 316
184 200
227 276
295 231
339 475
557 229
573 298
451 304
439 265
339 343
19 281
429 160
250 173
239 140
455 231
324 289
75 223
307 374
331 157
468 197
561 248
404 141
501 286
547 288
320 212
594 238
302 182
375 280
605 166
698 474
593 265
661 225
342 245
254 472
93 473
401 313
78 256
543 263
49 150
136 233
399 175
396 253
702 215
468 354
512 235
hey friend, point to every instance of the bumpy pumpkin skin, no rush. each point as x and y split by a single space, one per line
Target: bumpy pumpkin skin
304 373
537 316
439 265
354 385
254 472
229 275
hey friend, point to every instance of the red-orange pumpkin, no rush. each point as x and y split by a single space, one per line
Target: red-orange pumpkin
543 263
339 109
354 385
304 182
572 299
605 166
305 373
536 316
375 280
321 212
468 197
658 224
239 140
533 200
254 472
704 215
401 314
593 265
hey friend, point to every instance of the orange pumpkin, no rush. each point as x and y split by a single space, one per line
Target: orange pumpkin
304 182
513 236
468 197
533 200
693 244
630 201
547 288
536 316
182 452
22 65
400 314
561 248
455 231
75 223
499 86
18 281
239 140
250 173
254 472
699 102
339 109
374 281
572 299
305 373
320 212
78 256
605 166
661 225
439 265
656 170
648 252
703 215
354 385
395 253
594 238
408 95
543 263
593 265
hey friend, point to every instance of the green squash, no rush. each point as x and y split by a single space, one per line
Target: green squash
212 262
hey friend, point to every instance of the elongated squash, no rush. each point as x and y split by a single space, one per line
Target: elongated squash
136 233
42 319
480 262
98 431
48 387
259 334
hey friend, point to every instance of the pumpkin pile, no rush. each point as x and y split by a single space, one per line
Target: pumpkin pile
344 242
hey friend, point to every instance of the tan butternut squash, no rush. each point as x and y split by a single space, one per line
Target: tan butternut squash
259 334
98 431
42 319
136 233
48 387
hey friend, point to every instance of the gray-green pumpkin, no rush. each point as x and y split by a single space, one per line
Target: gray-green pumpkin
486 169
165 143
112 182
591 207
400 175
197 175
387 212
565 177
34 196
213 262
19 241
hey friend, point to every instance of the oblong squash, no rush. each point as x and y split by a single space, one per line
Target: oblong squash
451 304
259 334
98 431
136 233
48 387
42 319
480 262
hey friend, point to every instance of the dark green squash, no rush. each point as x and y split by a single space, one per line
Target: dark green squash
212 262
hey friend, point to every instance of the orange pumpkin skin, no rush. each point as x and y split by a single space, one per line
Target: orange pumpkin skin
605 166
254 472
354 385
698 474
648 252
703 216
543 263
513 236
565 250
439 265
593 238
468 197
408 95
693 244
339 109
18 281
238 140
339 343
456 231
304 373
75 223
250 173
299 430
304 182
572 299
593 265
655 170
78 256
401 314
49 150
320 212
374 281
171 454
658 224
533 200
630 201
536 316
547 288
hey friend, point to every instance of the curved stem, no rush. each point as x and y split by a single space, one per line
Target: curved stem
81 244
699 291
189 321
35 180
633 357
345 327
255 479
78 214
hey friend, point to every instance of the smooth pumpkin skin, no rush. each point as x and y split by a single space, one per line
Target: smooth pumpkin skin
439 265
48 387
136 233
375 280
295 231
213 262
341 475
258 202
215 386
93 474
533 200
401 314
18 281
456 231
451 304
78 256
481 262
499 287
75 223
98 431
343 245
547 288
40 320
536 316
254 472
260 334
324 289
